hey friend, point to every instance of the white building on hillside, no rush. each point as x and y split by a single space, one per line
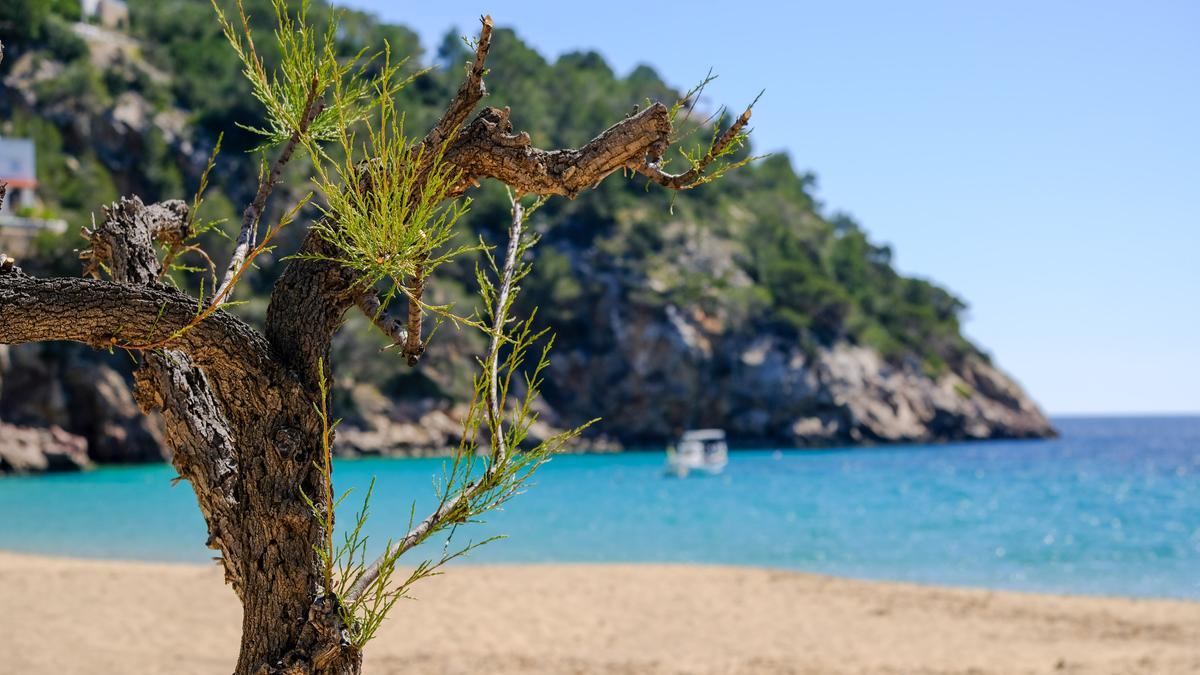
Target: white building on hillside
19 225
18 162
108 13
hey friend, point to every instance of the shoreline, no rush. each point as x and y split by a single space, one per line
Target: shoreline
65 615
470 564
33 461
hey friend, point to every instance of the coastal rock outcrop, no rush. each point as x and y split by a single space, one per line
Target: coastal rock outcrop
81 394
672 370
37 450
383 426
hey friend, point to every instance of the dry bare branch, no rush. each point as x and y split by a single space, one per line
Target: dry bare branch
248 235
413 347
469 94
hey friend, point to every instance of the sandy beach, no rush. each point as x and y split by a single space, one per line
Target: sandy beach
68 616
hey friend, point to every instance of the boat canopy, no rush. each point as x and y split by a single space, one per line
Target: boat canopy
703 435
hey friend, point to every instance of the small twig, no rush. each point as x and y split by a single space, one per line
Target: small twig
469 94
212 266
248 235
688 179
500 312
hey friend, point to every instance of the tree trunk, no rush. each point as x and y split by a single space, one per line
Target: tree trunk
222 379
285 625
288 625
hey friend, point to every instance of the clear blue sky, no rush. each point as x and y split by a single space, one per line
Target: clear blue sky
1041 159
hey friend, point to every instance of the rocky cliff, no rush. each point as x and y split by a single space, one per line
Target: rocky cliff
37 450
71 407
678 370
650 375
658 375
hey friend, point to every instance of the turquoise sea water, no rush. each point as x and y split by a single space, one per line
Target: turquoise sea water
1113 508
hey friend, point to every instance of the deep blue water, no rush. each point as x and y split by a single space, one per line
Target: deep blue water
1113 508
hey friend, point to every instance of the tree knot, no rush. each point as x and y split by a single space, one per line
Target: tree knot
288 441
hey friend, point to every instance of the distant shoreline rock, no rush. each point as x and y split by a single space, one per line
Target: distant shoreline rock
650 374
73 405
26 450
656 378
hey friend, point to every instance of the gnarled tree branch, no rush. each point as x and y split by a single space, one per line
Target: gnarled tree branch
204 448
106 314
204 451
691 178
125 241
488 148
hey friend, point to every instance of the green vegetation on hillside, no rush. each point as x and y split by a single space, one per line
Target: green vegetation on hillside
755 249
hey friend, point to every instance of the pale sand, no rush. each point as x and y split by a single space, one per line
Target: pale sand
69 616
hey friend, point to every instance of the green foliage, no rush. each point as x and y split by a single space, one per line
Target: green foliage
61 40
386 211
343 564
492 463
26 22
308 67
70 10
21 21
696 155
78 83
182 37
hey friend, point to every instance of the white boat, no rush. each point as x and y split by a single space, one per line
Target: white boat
702 450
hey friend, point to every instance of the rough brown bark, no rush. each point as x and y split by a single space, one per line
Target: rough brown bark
488 148
239 406
242 426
